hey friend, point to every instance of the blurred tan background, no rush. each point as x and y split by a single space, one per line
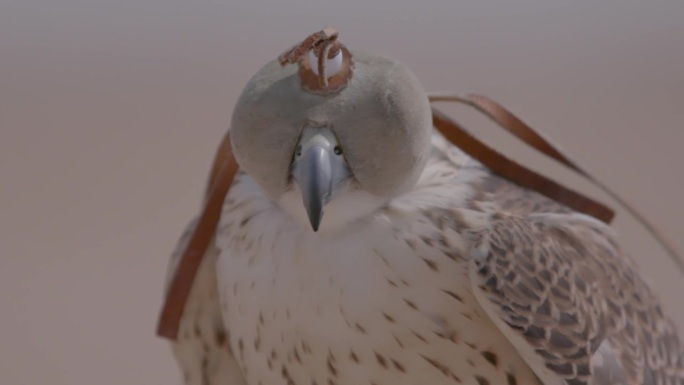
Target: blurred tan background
110 112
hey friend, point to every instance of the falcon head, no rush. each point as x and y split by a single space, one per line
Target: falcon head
345 153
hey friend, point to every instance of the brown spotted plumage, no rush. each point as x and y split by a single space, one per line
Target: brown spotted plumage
426 268
555 284
561 282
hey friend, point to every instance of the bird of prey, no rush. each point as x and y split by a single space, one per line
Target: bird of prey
358 246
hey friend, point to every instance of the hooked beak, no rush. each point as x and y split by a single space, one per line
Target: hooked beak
320 171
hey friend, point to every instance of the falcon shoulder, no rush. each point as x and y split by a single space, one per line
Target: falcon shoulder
574 306
202 350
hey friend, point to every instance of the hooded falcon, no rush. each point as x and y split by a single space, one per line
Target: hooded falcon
358 246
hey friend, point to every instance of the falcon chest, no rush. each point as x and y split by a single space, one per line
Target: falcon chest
375 304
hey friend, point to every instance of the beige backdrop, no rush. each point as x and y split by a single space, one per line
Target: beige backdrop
110 112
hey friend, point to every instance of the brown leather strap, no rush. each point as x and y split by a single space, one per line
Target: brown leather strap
511 123
527 134
516 173
222 174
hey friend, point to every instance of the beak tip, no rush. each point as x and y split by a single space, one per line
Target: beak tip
315 222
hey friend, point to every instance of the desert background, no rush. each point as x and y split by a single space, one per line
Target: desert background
110 112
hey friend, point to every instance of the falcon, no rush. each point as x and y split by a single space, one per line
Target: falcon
358 246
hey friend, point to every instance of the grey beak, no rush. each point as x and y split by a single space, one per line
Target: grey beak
319 171
315 183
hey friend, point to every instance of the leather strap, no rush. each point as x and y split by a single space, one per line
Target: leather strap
225 167
221 177
518 174
506 120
